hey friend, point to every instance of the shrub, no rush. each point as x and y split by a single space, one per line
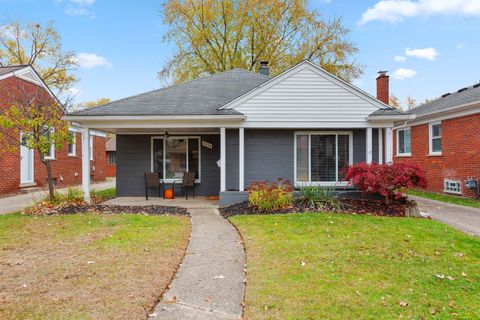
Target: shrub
320 196
264 195
389 180
73 196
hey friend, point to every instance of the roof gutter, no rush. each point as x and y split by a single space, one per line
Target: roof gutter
400 117
80 118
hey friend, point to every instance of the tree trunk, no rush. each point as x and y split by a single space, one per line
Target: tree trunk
51 187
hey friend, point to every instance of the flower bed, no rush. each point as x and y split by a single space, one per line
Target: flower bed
347 206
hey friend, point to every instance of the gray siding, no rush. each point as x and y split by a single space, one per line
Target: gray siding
268 155
232 159
134 159
359 145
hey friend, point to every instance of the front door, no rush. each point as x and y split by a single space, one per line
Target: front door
26 163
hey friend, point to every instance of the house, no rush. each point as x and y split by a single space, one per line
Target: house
111 149
237 126
21 169
444 138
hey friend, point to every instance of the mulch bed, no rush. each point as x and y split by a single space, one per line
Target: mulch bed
74 208
348 206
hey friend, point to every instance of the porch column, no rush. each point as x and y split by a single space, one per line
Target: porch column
241 157
388 145
222 160
369 145
86 164
380 145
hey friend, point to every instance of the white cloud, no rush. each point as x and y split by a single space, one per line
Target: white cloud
91 60
460 46
399 58
399 10
402 73
425 53
71 11
83 2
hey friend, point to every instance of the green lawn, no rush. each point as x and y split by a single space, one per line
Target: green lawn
87 266
327 266
468 202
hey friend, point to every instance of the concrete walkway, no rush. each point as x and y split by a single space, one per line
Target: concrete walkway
463 218
17 203
210 281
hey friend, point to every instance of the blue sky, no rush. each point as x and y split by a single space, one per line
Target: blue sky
429 46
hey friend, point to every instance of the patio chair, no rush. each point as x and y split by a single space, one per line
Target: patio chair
152 181
188 181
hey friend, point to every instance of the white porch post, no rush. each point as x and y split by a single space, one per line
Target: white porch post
388 145
380 145
369 145
241 152
86 164
222 160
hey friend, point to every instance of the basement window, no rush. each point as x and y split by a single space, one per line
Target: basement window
452 186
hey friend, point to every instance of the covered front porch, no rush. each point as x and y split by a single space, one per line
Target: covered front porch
227 159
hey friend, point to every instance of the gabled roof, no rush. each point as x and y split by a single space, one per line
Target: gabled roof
9 69
196 97
463 97
340 82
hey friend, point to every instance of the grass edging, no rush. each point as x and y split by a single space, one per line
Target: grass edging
446 198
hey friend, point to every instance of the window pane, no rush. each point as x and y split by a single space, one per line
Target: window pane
71 146
437 145
302 158
158 156
323 158
193 157
175 158
407 141
436 130
401 141
343 153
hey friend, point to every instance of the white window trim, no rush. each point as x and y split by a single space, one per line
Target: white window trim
52 150
90 146
199 180
431 137
320 183
452 181
74 143
404 154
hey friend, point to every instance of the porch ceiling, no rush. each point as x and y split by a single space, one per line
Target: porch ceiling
161 131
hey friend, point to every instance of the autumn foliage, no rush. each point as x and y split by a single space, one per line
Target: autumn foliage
265 195
386 179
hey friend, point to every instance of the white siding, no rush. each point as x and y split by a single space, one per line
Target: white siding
307 95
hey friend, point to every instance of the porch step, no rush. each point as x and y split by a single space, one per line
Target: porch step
32 189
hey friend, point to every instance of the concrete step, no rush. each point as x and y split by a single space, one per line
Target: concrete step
32 189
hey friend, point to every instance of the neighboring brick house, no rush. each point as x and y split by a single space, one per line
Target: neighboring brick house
22 168
111 148
444 138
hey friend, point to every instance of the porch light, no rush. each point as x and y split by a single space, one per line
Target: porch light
166 135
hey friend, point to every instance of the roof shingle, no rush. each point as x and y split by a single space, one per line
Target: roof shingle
196 97
458 98
8 69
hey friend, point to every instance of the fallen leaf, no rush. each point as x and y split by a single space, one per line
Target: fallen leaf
450 278
302 263
403 304
464 274
432 310
440 276
90 262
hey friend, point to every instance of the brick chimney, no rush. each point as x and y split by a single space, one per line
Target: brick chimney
383 90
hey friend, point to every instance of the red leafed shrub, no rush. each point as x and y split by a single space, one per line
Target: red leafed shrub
386 179
265 196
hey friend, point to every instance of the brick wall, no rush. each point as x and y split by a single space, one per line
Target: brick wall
66 169
460 152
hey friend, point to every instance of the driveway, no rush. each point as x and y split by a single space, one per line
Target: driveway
17 203
463 218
